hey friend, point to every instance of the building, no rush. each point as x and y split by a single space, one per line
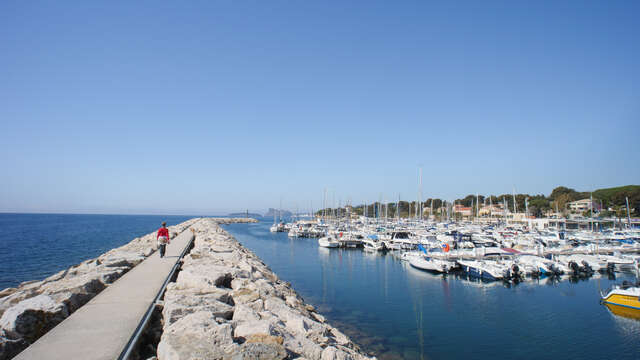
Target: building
583 205
462 210
491 210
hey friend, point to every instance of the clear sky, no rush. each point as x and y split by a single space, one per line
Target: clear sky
214 106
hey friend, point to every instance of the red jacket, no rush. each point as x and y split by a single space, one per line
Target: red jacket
163 232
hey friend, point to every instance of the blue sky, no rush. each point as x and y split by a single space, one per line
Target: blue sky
207 107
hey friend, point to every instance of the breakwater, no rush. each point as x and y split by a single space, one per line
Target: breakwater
226 303
33 308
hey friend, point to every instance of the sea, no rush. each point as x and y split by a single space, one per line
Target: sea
387 307
34 246
398 312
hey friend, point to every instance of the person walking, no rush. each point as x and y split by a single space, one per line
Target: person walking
163 238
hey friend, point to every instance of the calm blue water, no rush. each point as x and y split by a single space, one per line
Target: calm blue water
400 312
34 246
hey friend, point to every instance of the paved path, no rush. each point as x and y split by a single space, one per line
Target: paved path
101 328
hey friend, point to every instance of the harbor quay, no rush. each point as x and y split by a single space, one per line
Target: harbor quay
208 298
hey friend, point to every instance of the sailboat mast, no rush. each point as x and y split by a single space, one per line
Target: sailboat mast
431 213
591 208
504 202
420 195
628 213
324 206
490 208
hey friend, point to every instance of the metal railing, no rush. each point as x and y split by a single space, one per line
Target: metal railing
133 341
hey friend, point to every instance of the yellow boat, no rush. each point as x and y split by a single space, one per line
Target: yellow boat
623 300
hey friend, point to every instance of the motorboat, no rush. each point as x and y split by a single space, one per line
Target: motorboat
408 255
539 264
483 270
511 269
431 264
373 245
279 227
576 264
619 263
623 299
328 242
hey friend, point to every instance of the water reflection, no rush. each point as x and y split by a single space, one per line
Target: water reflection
623 311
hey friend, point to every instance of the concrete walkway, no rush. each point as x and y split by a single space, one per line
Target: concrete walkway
101 328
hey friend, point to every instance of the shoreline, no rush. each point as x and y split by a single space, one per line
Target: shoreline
226 295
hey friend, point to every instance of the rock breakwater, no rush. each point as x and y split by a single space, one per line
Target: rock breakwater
227 304
34 307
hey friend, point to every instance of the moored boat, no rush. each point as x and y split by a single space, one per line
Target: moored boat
431 264
482 270
373 245
328 242
623 299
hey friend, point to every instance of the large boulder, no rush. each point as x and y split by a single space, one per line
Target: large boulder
86 283
196 336
175 310
175 292
204 278
32 318
331 353
254 327
244 296
303 346
260 351
245 313
122 259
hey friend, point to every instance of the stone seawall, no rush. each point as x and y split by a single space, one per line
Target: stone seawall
227 304
35 307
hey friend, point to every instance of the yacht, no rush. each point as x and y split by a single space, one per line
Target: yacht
431 264
540 265
372 244
483 270
328 242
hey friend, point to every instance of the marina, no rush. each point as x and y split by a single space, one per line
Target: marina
401 312
332 180
493 251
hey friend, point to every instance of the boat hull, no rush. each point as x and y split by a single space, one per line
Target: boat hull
475 272
426 265
328 244
631 302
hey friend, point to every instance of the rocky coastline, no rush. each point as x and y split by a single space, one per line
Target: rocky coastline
34 307
225 303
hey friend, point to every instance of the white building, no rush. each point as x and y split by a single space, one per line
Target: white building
583 205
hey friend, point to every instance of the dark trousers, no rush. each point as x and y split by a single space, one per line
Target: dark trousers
162 248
